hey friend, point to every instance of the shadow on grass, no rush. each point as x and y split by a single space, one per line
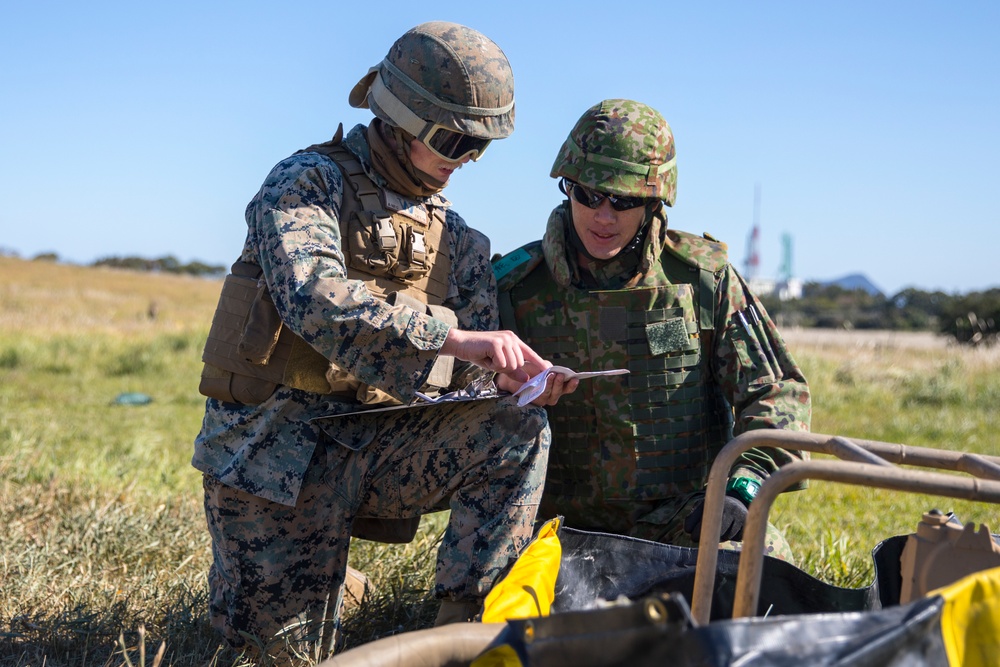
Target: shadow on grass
113 635
389 612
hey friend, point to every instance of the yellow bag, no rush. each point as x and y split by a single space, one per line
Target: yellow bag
970 619
530 587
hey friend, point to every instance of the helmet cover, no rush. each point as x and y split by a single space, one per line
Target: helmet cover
442 73
621 147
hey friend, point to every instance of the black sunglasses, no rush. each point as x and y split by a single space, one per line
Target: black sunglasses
592 198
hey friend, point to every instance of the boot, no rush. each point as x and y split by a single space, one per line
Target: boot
457 611
356 587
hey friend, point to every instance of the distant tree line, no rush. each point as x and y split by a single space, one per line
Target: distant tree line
168 264
969 318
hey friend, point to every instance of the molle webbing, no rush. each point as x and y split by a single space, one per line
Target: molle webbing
403 258
646 435
389 251
249 353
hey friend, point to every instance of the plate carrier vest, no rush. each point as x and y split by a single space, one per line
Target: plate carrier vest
648 435
401 253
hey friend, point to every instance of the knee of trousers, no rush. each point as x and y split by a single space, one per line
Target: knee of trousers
528 424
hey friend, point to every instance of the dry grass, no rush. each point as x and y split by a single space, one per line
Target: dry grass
48 299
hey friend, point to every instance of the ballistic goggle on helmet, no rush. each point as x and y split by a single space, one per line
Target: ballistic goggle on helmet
448 85
621 148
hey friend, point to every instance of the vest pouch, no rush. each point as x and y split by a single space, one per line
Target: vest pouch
215 383
260 335
225 375
415 256
373 241
230 387
369 395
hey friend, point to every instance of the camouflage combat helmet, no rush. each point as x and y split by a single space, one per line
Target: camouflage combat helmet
442 76
623 148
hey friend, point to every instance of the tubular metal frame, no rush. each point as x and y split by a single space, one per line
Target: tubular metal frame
863 462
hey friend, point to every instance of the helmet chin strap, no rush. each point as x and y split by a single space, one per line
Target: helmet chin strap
623 266
577 243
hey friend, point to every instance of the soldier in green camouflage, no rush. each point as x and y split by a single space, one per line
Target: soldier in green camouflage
610 286
359 286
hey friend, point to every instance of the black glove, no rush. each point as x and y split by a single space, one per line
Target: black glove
734 515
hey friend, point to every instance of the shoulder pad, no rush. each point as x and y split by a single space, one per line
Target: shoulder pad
515 266
703 252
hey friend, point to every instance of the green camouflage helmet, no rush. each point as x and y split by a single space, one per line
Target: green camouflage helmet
623 148
445 74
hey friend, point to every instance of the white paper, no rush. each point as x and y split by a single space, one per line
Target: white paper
535 387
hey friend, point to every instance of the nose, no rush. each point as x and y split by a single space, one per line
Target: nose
604 213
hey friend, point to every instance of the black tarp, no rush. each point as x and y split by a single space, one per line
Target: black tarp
624 601
600 566
630 635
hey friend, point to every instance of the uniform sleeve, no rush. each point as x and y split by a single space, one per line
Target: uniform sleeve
294 235
475 297
757 373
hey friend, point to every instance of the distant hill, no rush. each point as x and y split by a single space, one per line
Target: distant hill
855 281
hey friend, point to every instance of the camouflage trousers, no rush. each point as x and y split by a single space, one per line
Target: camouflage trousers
278 571
657 521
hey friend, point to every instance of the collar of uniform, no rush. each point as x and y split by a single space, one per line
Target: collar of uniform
565 269
356 141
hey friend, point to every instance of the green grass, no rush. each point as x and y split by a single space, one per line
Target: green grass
104 552
942 399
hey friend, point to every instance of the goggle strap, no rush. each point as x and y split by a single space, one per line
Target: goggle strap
441 104
398 111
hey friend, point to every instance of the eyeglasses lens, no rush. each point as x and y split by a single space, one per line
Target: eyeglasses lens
592 198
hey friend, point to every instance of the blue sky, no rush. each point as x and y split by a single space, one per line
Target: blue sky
871 128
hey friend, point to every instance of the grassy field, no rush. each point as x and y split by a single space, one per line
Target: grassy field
104 552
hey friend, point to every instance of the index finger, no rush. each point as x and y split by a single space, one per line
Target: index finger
533 358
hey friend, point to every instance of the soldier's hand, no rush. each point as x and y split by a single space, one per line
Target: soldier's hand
500 351
556 386
734 516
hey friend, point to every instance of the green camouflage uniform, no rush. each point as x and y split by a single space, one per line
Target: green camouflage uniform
283 486
631 453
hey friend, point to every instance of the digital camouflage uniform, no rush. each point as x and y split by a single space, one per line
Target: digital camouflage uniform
631 453
284 479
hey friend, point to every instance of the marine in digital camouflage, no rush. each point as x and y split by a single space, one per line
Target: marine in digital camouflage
631 453
294 236
285 479
277 569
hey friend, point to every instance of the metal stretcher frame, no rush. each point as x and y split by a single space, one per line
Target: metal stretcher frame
863 462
